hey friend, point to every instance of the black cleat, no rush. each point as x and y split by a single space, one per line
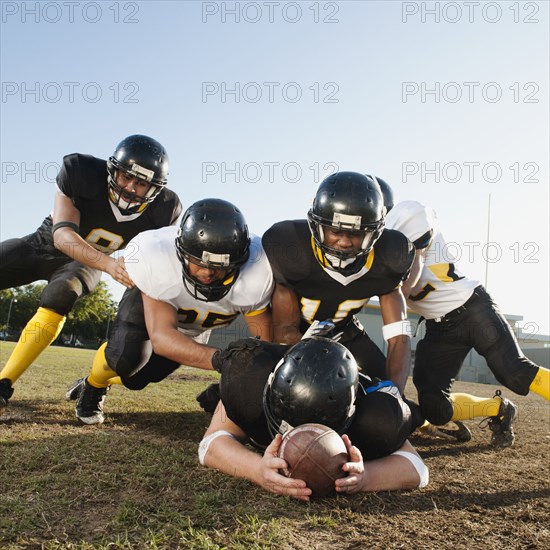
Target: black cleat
501 424
89 404
73 391
6 391
456 430
453 430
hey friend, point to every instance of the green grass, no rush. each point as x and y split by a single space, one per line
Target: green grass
135 481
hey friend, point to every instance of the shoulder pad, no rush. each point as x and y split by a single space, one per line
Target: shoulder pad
415 220
82 176
395 251
166 208
287 247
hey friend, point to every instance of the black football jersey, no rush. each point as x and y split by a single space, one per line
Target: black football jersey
381 424
329 295
83 178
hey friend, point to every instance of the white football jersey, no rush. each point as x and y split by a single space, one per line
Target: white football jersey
441 287
153 265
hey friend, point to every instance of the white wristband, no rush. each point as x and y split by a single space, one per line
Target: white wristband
397 329
205 443
419 466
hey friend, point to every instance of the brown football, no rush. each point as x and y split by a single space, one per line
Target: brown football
315 454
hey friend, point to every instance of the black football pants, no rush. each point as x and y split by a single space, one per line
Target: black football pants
440 354
25 260
129 351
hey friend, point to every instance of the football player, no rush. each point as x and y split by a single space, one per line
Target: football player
98 207
460 315
262 396
328 267
189 281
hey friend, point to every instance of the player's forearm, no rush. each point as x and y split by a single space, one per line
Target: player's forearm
231 457
414 275
74 246
286 334
286 315
391 473
398 360
261 326
177 347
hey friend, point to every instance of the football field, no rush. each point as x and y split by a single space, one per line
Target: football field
135 481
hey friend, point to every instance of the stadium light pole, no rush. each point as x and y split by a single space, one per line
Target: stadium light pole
488 233
8 319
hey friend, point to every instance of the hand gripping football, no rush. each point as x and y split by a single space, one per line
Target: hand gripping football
315 454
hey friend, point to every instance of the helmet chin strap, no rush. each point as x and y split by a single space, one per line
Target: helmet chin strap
338 262
124 205
118 195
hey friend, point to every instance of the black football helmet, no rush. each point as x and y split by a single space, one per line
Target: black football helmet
387 193
141 157
316 381
213 233
346 201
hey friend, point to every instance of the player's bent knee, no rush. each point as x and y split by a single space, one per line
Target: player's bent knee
125 358
436 407
60 296
518 382
135 384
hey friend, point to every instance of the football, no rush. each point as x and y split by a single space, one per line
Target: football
315 454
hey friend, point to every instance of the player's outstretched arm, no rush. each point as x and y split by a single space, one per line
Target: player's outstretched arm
416 271
286 315
395 472
67 240
161 320
221 449
394 313
261 325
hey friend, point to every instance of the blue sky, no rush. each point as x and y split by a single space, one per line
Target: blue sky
447 101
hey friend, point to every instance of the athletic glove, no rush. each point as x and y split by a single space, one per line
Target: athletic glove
223 355
209 398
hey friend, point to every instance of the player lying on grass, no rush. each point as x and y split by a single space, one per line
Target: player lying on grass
460 316
188 282
267 388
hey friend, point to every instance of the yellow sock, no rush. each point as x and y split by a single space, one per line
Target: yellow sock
101 372
540 385
115 380
39 333
467 406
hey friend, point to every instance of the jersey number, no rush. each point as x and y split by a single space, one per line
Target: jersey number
211 319
345 309
104 240
444 272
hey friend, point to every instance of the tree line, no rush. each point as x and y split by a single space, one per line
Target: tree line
87 325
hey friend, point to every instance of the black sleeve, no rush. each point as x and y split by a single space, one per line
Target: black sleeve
65 177
396 252
166 208
82 176
284 247
424 240
244 373
382 421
